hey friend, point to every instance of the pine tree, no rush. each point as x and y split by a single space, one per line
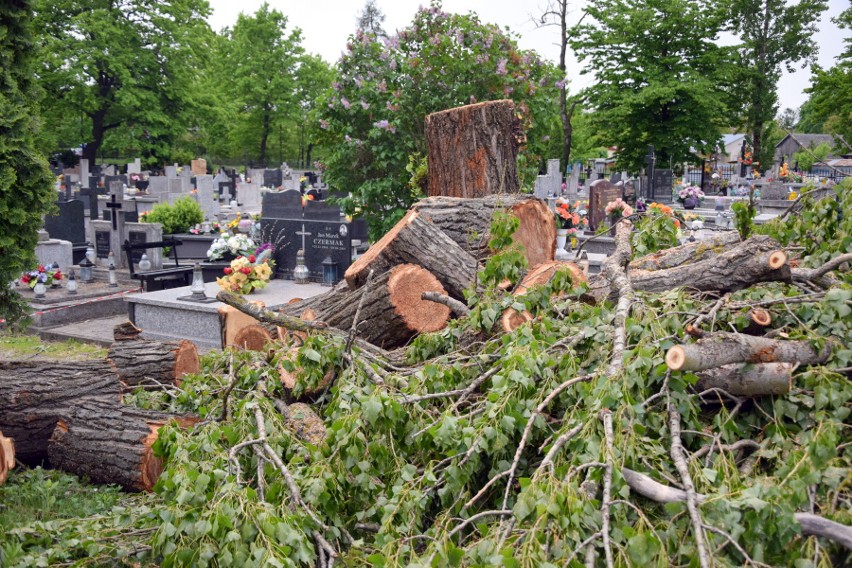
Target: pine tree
25 191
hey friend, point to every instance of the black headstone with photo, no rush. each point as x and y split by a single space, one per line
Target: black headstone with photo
102 244
661 185
135 238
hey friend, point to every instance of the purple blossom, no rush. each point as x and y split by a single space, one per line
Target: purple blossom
324 124
382 87
364 104
337 86
392 42
392 64
383 124
501 66
560 84
358 82
345 102
347 138
435 40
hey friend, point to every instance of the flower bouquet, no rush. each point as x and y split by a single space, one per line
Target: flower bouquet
44 275
617 210
571 216
248 273
229 244
690 196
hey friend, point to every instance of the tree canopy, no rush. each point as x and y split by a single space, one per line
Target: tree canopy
659 76
374 118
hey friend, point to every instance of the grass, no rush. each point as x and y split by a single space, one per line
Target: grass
24 346
33 495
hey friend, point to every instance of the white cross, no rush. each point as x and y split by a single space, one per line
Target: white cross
304 234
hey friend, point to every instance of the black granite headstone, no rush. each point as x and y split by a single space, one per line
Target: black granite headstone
661 187
135 238
282 205
102 244
273 178
322 239
108 180
69 223
321 210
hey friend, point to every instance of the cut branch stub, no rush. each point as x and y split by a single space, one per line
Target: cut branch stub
289 379
473 149
726 348
751 380
7 457
542 274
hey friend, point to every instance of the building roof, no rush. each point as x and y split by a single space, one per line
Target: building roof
730 138
808 140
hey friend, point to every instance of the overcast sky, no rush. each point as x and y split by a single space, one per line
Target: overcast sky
326 25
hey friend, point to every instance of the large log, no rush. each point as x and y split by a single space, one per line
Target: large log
393 310
415 240
538 276
748 379
35 395
157 363
468 223
726 348
7 457
687 253
473 150
758 259
111 443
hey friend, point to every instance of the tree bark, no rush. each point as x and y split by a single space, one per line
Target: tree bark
393 310
111 443
415 240
289 379
750 380
153 363
35 395
125 332
7 457
302 421
687 253
758 259
468 223
473 149
726 348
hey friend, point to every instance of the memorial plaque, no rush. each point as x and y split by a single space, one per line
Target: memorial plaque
600 193
328 240
102 244
661 186
136 238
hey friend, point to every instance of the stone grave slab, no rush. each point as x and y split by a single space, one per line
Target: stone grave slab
248 195
273 178
69 223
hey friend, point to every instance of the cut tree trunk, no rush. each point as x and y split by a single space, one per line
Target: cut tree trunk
111 443
289 379
542 274
758 259
726 348
415 240
393 310
35 395
7 457
153 363
468 223
231 321
687 253
750 380
473 150
758 320
254 337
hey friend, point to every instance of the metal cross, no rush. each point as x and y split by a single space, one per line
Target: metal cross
303 233
115 207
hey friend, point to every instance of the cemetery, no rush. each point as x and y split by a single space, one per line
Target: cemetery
435 336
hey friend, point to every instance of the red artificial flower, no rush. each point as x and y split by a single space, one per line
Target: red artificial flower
41 268
252 258
25 279
57 276
245 270
228 270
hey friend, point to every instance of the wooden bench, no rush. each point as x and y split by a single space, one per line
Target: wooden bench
161 279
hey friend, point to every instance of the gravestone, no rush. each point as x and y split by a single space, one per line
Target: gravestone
145 233
282 205
89 198
134 167
199 166
248 195
95 184
550 184
69 224
273 178
158 187
222 183
661 185
178 188
321 210
171 171
109 170
601 192
111 179
574 181
328 239
206 197
615 178
84 173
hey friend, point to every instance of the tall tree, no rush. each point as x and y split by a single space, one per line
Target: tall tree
658 75
314 78
556 14
830 103
25 180
370 19
263 60
124 67
775 34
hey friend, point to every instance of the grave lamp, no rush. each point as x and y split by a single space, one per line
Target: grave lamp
144 263
196 289
55 266
39 290
329 272
113 279
71 286
246 223
86 267
206 227
301 272
90 253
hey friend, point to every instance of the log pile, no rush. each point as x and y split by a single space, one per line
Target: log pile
70 414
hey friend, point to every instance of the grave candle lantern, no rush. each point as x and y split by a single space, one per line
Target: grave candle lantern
71 286
329 272
113 279
301 272
86 266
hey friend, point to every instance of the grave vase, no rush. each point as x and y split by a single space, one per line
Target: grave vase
690 203
561 239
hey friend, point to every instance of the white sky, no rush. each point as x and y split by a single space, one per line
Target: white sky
326 25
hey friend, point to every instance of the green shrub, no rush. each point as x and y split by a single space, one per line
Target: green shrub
177 218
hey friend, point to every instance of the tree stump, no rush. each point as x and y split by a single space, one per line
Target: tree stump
416 241
7 457
468 223
111 443
253 337
153 363
473 150
35 395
